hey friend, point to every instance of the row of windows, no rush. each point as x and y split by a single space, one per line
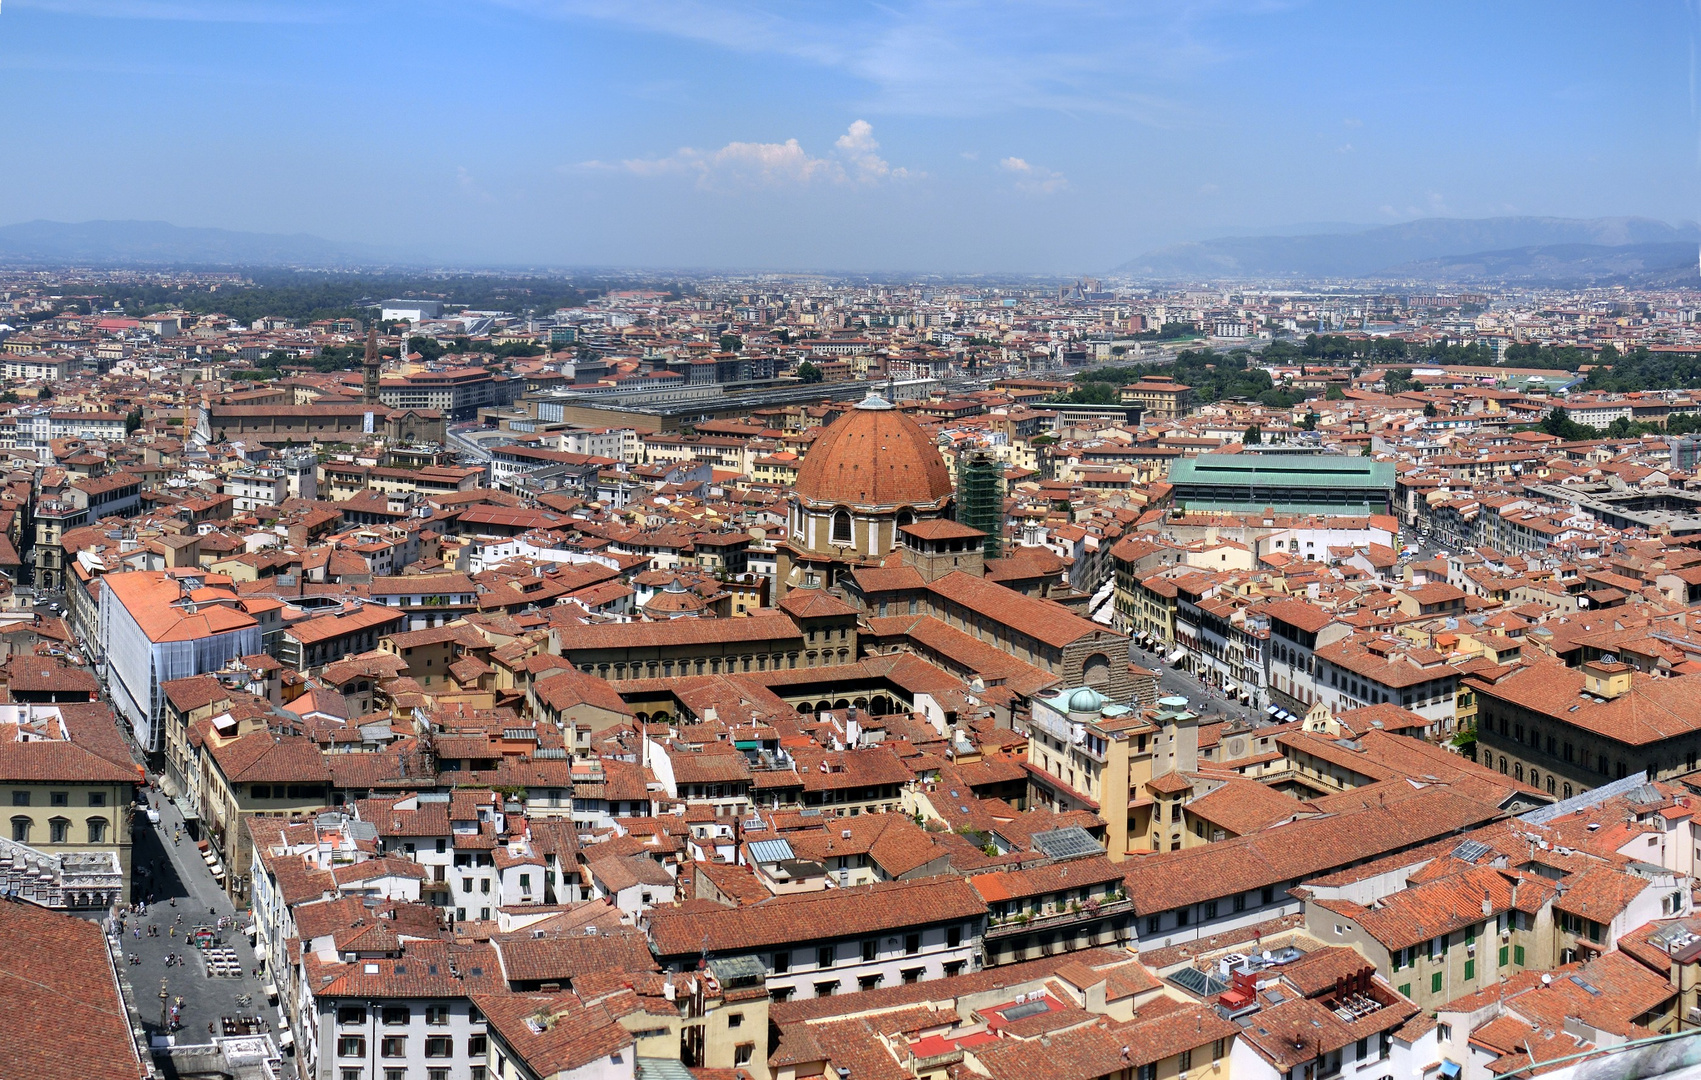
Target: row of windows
1428 693
1535 775
286 791
1559 748
59 830
400 1015
706 665
1436 948
1209 909
826 956
58 798
830 987
396 1046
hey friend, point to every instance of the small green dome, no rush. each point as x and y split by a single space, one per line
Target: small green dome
1086 699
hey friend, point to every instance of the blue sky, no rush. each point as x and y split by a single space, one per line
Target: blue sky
929 136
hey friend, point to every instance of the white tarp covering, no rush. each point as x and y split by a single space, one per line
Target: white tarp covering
137 667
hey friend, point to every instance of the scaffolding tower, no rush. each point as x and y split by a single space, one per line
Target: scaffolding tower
980 499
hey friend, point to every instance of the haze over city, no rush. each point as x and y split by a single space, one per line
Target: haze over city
1050 137
915 540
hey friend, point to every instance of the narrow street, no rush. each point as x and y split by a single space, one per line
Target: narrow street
182 894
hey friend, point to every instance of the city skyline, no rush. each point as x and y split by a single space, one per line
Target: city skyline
926 137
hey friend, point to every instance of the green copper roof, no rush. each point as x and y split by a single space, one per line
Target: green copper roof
1355 507
1283 471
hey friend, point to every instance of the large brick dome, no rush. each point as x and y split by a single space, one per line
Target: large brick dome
874 456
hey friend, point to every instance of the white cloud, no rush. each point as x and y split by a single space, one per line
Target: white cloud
857 146
1034 179
771 164
740 164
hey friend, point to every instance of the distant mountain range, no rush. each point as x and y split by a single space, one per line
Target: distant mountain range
159 243
1526 250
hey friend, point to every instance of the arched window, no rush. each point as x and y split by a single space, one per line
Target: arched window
59 830
1550 783
1518 771
905 517
842 527
1096 671
21 829
97 830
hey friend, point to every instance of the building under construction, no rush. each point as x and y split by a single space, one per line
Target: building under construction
980 498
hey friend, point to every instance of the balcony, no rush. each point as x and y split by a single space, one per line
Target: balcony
1052 916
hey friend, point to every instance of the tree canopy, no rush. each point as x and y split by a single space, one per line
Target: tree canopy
1399 380
1212 376
303 296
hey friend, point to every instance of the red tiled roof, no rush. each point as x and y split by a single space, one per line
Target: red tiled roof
808 916
64 1018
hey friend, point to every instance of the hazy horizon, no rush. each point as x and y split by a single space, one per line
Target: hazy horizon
935 137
